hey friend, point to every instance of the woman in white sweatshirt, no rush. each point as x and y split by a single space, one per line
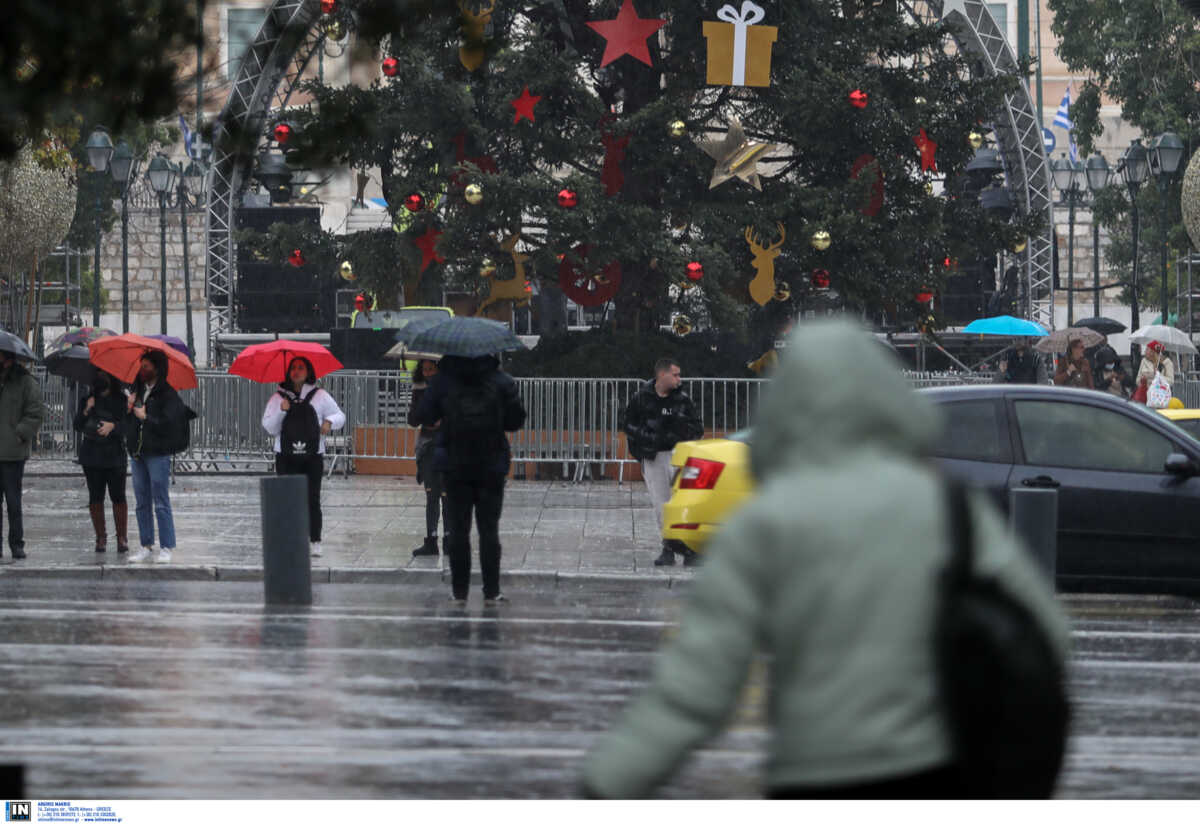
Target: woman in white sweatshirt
300 414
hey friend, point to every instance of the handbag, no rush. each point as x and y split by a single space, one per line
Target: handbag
1158 395
1139 394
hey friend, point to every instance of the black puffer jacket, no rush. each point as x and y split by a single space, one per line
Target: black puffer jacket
94 450
654 424
165 414
454 373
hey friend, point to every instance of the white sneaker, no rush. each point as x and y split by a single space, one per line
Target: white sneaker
314 548
163 557
141 556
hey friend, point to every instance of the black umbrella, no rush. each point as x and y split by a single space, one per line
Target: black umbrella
1105 326
15 346
71 363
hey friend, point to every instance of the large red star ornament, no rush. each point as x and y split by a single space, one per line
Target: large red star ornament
626 34
524 105
426 243
928 151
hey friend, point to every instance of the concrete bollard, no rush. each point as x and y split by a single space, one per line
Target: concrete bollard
287 568
1033 516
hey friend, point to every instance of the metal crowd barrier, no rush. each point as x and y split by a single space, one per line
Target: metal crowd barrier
573 427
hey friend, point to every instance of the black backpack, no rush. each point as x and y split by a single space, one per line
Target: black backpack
1001 681
301 431
474 422
181 437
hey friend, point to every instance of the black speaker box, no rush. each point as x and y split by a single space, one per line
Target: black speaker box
260 219
272 277
274 311
363 348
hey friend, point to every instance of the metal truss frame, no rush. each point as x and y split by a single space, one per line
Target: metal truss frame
272 67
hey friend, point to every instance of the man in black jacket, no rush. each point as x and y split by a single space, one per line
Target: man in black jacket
475 404
155 415
659 416
1020 365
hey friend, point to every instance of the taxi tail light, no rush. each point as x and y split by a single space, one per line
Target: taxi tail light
699 473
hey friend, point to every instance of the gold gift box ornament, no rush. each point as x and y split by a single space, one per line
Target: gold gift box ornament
739 52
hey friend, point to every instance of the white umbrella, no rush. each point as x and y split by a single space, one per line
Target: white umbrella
1058 341
1172 339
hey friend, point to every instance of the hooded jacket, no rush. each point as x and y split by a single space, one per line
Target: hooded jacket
21 413
832 570
453 373
655 424
165 413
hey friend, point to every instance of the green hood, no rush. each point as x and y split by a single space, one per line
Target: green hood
838 390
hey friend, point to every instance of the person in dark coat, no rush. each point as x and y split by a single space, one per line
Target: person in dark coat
100 419
151 425
426 474
21 414
659 416
1021 364
474 458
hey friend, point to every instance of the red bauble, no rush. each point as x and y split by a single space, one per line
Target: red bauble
567 198
858 99
923 296
414 203
695 270
391 67
282 133
820 278
328 6
296 258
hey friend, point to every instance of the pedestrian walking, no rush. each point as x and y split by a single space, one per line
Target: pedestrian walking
100 420
21 414
429 477
834 570
300 414
475 404
659 416
156 427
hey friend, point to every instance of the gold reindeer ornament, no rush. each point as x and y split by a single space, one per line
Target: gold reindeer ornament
474 32
515 288
762 286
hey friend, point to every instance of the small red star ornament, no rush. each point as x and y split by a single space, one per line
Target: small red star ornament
524 105
928 151
626 34
427 244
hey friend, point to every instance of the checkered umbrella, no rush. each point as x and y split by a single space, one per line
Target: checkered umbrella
466 337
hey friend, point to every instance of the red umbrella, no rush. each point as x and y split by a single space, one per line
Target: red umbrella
120 356
268 362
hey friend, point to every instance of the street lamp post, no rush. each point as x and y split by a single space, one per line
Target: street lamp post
162 179
1066 174
191 177
1166 152
122 169
1134 168
1097 180
99 152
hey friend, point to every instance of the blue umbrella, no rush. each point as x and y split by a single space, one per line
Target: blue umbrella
466 337
1005 325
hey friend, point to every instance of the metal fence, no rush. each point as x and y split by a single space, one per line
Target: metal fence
575 425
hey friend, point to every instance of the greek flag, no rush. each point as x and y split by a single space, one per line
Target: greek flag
1063 117
187 135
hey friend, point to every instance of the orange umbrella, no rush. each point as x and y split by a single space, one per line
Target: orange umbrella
120 356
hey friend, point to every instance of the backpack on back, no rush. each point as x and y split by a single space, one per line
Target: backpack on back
474 422
1001 681
301 431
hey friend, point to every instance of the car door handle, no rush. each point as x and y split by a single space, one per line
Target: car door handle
1041 482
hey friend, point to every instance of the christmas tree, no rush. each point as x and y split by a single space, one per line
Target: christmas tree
728 162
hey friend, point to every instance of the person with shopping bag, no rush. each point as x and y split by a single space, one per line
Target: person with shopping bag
1155 364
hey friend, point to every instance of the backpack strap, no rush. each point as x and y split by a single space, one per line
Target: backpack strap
961 539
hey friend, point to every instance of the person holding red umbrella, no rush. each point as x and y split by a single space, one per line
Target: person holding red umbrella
300 414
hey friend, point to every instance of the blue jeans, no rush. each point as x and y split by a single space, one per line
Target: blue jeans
152 486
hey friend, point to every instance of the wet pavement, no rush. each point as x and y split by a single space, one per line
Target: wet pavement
371 526
142 688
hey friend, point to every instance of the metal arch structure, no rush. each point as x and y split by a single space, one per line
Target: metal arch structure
268 73
1018 130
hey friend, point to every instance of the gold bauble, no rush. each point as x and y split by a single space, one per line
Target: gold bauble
473 194
681 325
487 268
782 291
928 187
920 101
975 140
333 29
347 271
821 240
1019 246
677 129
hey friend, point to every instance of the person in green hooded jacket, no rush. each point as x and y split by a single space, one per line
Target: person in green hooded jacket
831 570
21 414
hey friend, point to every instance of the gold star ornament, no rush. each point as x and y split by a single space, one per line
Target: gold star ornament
736 156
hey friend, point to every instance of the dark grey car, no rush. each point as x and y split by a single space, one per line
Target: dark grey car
1128 479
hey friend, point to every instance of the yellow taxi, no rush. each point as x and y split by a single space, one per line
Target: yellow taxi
1187 419
712 478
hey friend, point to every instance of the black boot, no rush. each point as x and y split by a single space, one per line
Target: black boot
691 557
430 547
667 558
